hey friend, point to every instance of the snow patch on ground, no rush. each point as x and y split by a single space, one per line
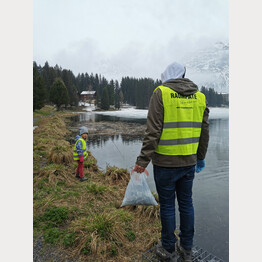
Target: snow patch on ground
126 113
88 107
215 113
218 113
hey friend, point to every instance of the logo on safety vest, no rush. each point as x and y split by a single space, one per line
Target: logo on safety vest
176 95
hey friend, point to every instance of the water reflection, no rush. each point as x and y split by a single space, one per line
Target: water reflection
211 193
115 150
217 158
98 141
93 117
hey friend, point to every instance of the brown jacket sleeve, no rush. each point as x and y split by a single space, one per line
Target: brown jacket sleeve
204 136
153 131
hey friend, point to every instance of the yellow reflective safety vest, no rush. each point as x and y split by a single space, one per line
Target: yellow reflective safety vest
183 117
75 155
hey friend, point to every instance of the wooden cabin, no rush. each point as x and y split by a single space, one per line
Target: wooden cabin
86 96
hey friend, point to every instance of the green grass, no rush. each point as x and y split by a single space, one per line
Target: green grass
56 215
71 194
45 140
44 111
87 250
96 189
43 190
41 113
39 196
113 251
42 183
42 153
130 235
61 183
53 166
52 235
49 223
55 235
69 240
59 149
89 162
103 226
123 215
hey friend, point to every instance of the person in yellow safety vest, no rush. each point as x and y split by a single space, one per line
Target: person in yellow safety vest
80 153
176 140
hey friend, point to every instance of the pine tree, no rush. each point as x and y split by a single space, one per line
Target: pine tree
96 83
68 79
117 99
74 100
121 97
213 98
98 100
105 99
111 92
39 90
58 93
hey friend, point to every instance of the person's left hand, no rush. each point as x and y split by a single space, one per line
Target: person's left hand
200 165
139 169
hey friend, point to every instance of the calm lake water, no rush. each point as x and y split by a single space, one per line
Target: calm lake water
211 186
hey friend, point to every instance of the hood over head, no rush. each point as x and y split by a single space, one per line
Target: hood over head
183 86
83 129
173 77
173 71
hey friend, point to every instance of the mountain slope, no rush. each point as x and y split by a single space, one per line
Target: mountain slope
210 67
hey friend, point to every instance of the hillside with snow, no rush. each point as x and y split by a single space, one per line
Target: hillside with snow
209 67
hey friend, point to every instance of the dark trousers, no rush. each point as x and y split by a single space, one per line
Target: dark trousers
172 182
80 168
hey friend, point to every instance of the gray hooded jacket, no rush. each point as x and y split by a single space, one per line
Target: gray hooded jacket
172 79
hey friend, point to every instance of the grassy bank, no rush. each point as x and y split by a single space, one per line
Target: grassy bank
84 219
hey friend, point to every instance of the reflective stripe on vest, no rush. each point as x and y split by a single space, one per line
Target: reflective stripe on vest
183 117
75 154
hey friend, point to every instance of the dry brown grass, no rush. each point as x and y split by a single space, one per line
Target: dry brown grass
55 173
98 243
61 153
115 175
102 230
98 233
149 211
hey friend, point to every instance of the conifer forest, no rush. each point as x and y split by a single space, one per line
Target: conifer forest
54 85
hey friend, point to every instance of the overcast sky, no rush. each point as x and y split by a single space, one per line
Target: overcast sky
118 38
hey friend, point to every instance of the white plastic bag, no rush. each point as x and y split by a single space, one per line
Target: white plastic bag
137 191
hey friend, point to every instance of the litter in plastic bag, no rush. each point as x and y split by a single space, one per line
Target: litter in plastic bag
137 191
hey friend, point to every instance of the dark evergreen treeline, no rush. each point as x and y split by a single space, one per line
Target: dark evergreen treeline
215 99
49 82
45 78
137 92
61 87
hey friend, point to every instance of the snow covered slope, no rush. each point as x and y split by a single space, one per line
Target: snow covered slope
209 67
